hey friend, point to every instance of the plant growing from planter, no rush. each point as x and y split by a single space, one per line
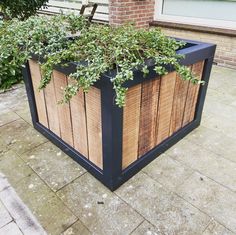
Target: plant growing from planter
125 94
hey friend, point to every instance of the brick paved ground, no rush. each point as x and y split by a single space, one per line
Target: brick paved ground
191 189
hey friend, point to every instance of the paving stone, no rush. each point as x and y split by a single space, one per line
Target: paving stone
145 228
214 141
15 98
217 108
19 136
227 126
52 214
208 163
167 171
3 182
101 211
214 228
77 229
52 165
10 229
169 213
212 198
5 217
7 116
13 167
24 112
24 219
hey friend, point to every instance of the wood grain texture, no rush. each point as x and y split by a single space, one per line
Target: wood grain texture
180 94
60 82
131 119
79 123
165 106
39 95
192 94
51 104
148 116
94 125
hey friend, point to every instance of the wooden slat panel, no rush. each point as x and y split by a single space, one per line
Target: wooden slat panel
148 116
165 106
192 95
94 125
39 95
181 90
60 82
131 119
51 105
79 123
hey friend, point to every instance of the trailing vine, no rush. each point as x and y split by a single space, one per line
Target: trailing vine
97 49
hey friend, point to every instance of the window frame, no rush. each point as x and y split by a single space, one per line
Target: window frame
159 16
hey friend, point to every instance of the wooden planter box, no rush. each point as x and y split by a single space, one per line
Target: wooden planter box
114 143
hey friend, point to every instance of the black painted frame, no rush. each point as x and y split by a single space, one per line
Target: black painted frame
112 174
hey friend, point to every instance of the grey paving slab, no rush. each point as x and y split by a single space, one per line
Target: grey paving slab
167 171
169 213
10 229
52 214
13 209
98 208
227 126
145 228
76 229
52 165
20 213
212 198
214 141
7 116
3 182
13 167
206 162
20 137
214 228
5 217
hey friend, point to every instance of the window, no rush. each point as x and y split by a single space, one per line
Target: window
214 13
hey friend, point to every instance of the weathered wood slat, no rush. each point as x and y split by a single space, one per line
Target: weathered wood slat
60 82
148 116
131 119
79 123
181 90
94 125
192 94
51 105
165 106
39 95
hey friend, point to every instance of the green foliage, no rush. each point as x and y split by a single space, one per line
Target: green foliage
98 49
38 35
21 9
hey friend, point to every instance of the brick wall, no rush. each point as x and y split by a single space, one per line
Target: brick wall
141 12
226 45
138 11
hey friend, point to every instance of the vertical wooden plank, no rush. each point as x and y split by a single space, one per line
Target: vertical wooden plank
165 106
148 116
79 124
192 94
94 125
39 95
180 94
60 82
51 105
131 119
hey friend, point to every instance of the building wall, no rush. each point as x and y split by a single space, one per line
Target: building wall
226 45
138 11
